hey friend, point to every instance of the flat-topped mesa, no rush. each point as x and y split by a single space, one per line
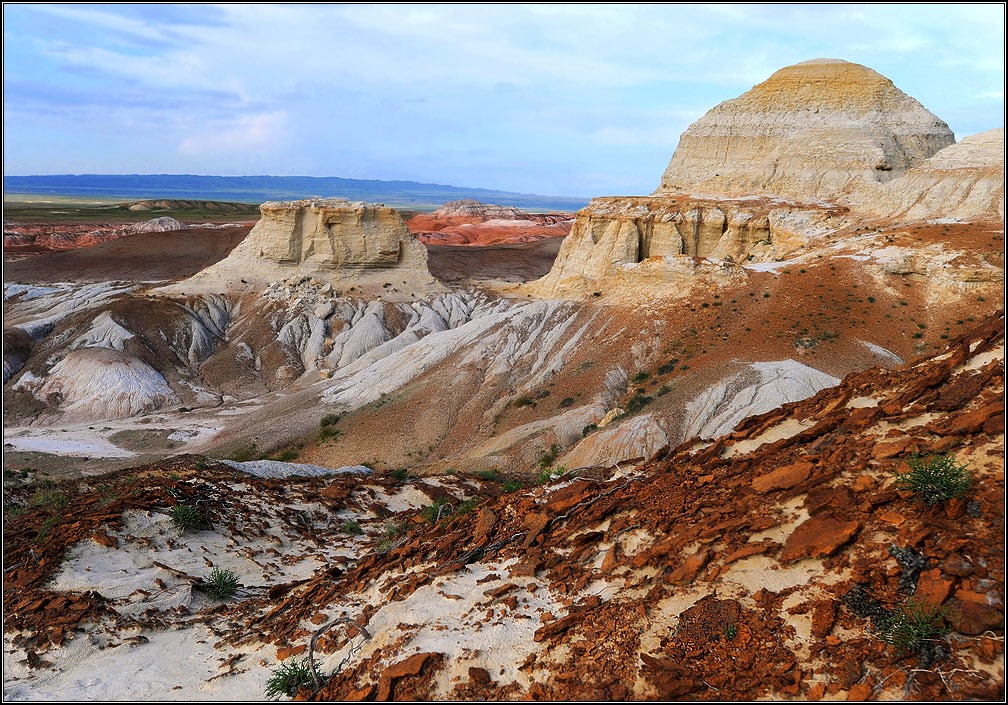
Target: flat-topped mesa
813 131
346 243
964 181
648 240
478 209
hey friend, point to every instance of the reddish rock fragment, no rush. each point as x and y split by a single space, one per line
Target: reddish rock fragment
103 539
783 478
485 522
932 588
969 614
411 666
817 537
479 676
823 618
687 570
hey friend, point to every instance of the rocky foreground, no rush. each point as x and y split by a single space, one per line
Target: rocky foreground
761 565
672 463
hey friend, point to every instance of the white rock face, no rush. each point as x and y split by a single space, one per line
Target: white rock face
158 225
101 383
766 386
348 244
815 130
636 439
657 239
964 182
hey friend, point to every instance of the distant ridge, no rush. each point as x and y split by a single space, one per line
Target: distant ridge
256 189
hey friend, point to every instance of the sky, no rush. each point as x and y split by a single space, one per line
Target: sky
561 100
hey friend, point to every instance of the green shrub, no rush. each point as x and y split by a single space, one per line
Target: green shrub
442 508
566 401
394 530
186 518
588 429
550 456
329 420
467 506
286 456
912 625
513 485
351 526
50 498
935 478
399 475
290 677
637 402
640 377
669 366
221 584
488 475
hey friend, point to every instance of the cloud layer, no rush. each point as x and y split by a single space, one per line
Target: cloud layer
556 99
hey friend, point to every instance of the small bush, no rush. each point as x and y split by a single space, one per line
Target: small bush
637 402
912 625
513 485
394 530
549 457
669 366
566 401
488 475
640 377
588 429
351 526
467 506
442 509
286 456
186 517
221 584
290 677
399 475
329 420
936 478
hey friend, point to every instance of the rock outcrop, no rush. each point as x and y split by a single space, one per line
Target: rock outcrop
815 130
658 238
964 181
363 245
161 224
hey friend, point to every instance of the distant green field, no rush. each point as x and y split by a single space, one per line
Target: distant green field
48 208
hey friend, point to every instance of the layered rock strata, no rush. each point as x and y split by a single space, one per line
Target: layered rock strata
666 235
346 243
964 181
815 130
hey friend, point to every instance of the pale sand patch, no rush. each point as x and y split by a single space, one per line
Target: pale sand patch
785 429
72 440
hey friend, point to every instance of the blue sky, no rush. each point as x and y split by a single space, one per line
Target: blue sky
553 99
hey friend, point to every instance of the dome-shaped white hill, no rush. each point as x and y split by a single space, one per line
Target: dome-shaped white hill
815 130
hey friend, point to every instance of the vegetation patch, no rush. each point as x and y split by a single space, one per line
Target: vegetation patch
288 678
936 478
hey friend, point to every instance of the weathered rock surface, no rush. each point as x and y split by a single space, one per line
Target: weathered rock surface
342 242
161 224
815 130
659 237
964 181
100 383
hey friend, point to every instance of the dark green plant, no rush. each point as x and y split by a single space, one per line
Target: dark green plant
488 475
50 498
399 475
351 526
467 506
394 530
566 401
221 584
640 377
588 429
513 485
441 509
288 678
936 478
912 625
186 517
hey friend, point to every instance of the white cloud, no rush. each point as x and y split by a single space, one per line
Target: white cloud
245 133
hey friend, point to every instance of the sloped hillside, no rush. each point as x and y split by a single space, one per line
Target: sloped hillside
766 563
